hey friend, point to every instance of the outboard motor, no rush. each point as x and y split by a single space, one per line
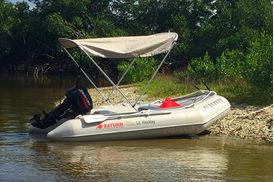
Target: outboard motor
78 101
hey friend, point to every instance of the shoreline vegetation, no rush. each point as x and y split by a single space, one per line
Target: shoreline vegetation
222 39
244 121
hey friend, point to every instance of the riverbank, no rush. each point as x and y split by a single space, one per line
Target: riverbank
243 121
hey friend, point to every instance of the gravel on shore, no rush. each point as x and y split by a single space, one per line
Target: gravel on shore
247 122
113 95
244 121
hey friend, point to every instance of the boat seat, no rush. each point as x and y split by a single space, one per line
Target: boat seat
148 107
104 112
168 103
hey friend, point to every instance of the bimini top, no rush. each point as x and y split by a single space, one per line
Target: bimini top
124 47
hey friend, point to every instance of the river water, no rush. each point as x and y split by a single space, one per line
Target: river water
31 158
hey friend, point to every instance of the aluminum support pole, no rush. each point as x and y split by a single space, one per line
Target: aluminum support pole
122 77
84 73
156 71
102 71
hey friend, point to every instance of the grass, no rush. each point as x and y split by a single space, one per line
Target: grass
165 86
235 90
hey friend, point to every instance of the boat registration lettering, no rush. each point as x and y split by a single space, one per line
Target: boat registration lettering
212 104
145 122
110 125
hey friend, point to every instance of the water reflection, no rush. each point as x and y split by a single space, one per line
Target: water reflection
22 96
181 159
149 160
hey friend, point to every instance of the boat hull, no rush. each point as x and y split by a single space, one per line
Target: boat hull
140 134
187 121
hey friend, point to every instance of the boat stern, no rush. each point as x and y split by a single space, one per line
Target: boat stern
65 130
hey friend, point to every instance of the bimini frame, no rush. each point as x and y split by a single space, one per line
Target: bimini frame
86 47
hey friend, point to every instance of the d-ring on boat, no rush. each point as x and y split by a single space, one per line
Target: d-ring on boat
76 119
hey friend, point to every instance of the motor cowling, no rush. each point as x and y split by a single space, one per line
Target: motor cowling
77 101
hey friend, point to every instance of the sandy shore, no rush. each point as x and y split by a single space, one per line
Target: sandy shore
113 95
244 121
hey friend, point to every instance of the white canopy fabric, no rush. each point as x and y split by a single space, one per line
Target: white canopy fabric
124 47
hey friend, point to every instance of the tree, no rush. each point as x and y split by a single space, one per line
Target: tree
6 23
234 25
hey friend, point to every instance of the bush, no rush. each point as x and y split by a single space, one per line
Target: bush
142 69
236 89
231 64
204 67
255 66
259 59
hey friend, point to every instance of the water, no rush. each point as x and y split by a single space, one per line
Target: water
29 158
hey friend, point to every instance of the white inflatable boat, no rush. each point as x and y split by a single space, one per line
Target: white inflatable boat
76 119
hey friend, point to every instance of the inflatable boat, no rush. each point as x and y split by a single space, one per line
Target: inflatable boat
76 120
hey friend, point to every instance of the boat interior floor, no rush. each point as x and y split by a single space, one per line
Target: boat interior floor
183 102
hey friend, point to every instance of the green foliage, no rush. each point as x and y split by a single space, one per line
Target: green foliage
167 86
233 25
255 67
259 59
226 40
141 70
58 26
204 67
6 24
235 88
203 26
231 64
